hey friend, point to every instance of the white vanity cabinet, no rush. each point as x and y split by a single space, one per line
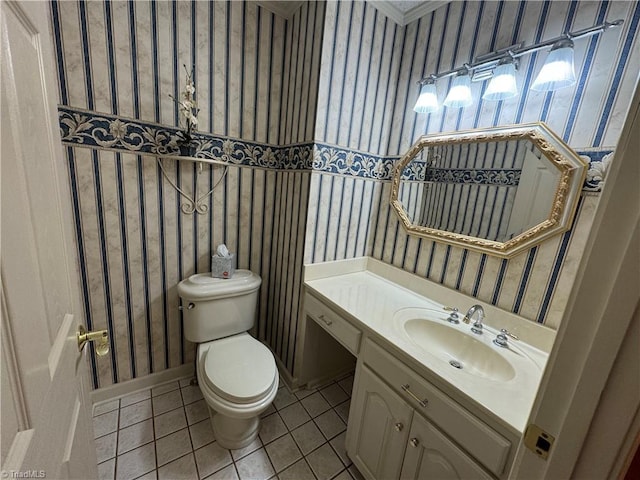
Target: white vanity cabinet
413 415
431 455
378 428
400 426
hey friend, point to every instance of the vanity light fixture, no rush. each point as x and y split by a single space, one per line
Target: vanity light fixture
460 94
500 66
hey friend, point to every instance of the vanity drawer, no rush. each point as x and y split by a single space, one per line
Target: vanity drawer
478 439
338 327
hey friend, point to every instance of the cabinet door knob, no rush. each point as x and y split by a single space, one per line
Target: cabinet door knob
399 427
414 442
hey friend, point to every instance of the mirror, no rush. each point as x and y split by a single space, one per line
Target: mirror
498 190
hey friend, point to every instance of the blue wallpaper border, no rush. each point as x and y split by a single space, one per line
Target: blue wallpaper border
333 159
502 177
598 159
83 128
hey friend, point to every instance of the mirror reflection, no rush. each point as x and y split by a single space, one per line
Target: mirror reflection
497 190
490 190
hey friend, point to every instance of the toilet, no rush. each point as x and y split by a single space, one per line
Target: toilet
236 373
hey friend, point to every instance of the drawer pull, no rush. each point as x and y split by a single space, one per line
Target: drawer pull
422 403
399 427
414 442
325 321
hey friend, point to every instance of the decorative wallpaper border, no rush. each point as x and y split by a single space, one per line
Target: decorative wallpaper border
599 160
112 132
343 161
502 177
82 128
416 171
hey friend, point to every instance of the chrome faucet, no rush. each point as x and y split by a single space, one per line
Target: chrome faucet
478 312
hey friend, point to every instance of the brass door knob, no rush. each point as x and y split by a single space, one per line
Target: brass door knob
99 336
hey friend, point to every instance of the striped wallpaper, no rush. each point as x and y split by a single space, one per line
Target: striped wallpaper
253 69
358 77
338 76
350 216
136 245
256 78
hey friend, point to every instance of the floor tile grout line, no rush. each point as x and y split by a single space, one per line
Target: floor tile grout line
193 450
115 462
153 431
309 465
340 472
275 472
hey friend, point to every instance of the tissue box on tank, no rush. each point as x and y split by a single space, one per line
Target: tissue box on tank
223 267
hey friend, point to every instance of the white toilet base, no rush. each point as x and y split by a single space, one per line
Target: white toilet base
233 433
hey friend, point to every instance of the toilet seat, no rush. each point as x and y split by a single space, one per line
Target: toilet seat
239 369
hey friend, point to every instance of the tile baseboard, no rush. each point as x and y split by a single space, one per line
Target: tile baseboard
118 390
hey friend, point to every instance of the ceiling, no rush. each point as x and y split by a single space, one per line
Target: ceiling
400 11
283 8
406 11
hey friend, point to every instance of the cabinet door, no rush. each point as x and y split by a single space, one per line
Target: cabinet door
432 456
378 427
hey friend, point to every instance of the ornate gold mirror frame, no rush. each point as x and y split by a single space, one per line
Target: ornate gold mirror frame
571 172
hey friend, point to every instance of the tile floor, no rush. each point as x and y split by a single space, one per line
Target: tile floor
165 433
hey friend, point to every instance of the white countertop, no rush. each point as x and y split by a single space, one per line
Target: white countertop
378 297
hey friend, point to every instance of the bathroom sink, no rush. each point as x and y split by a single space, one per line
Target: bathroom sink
459 349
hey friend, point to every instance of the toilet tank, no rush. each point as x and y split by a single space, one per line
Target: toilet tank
214 307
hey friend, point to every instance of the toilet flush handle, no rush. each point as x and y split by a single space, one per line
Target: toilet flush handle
189 307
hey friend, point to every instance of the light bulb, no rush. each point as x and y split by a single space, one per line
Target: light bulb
503 82
460 94
557 71
428 99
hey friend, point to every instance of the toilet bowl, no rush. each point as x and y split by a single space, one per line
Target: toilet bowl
236 373
239 380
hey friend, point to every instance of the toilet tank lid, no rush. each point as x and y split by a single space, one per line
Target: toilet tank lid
203 286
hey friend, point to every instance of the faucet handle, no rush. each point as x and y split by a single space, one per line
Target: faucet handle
501 340
453 316
509 334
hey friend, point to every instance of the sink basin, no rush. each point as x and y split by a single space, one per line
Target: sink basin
459 349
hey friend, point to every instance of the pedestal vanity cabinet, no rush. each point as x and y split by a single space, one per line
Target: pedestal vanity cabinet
412 414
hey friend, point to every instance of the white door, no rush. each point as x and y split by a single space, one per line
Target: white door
534 198
45 410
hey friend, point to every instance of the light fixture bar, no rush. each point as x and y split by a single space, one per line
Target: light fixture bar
492 59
